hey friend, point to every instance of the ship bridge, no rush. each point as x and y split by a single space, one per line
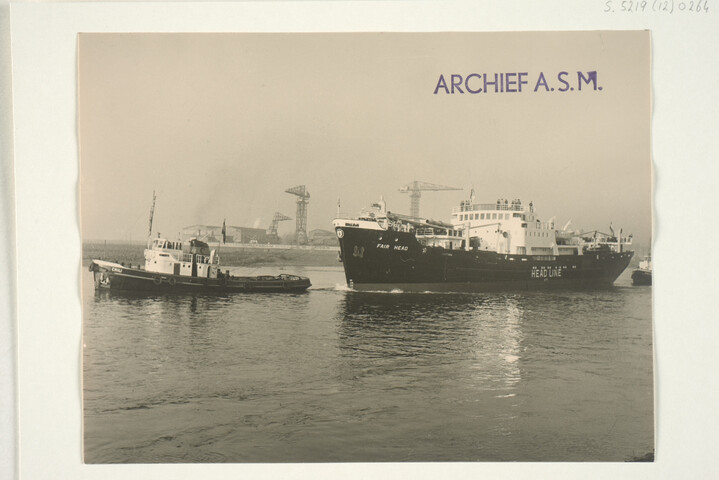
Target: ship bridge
506 226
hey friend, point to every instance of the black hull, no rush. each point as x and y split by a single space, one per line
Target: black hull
388 260
124 279
641 277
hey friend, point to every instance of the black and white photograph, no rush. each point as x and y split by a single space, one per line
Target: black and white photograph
366 247
358 240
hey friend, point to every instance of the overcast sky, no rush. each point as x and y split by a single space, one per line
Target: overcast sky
220 125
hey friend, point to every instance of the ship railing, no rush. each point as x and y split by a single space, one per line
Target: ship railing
615 240
430 232
517 207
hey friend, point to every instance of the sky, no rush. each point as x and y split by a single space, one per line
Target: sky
220 125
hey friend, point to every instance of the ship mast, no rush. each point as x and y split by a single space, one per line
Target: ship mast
152 213
223 234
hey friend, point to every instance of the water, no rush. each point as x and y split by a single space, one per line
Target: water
336 376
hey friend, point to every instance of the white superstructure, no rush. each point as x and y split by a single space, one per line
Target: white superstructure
505 227
511 228
164 256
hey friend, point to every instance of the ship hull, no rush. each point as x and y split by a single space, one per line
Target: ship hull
118 278
389 260
641 277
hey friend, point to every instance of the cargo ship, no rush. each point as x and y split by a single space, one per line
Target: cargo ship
490 246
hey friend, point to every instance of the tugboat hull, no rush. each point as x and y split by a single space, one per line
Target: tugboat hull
641 277
389 260
118 278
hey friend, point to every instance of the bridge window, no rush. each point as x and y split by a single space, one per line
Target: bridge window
481 216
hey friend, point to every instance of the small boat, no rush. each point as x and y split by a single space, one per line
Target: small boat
174 267
643 274
168 269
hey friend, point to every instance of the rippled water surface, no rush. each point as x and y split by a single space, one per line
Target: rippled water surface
334 375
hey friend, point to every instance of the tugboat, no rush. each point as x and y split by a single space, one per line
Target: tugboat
196 269
490 246
643 274
170 270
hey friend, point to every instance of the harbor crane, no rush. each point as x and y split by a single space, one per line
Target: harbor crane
415 190
303 198
272 229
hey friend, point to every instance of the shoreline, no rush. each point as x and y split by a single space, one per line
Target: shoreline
230 255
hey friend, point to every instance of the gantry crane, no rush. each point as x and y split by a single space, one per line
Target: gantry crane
303 198
272 229
415 190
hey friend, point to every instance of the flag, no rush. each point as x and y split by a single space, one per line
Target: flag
224 231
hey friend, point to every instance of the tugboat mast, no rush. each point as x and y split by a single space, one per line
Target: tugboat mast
152 213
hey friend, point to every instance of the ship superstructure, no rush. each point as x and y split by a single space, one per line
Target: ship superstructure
165 256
